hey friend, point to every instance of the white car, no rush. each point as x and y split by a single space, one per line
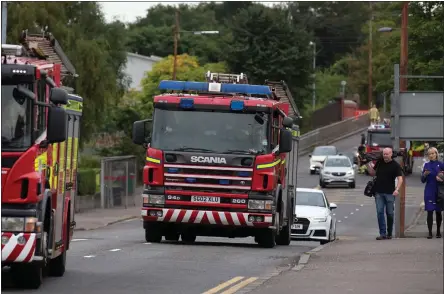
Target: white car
313 218
318 156
337 170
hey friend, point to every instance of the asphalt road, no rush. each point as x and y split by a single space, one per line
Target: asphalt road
116 259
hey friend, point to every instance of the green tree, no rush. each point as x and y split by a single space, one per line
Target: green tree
96 49
265 45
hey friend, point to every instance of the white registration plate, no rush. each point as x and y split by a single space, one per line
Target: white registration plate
205 199
296 227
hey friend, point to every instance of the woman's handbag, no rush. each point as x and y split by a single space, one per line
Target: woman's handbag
369 190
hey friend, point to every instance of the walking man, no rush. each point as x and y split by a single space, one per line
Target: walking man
386 171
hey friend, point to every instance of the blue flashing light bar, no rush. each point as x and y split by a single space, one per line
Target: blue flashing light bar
225 88
190 180
237 105
186 103
243 174
173 170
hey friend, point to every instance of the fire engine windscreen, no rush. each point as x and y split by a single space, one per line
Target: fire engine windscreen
206 131
381 139
16 119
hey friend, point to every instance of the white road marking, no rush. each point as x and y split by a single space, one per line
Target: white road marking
76 240
357 209
334 213
114 250
147 243
339 221
362 205
352 213
89 256
345 216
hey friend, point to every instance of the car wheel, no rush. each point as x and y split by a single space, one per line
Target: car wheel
312 172
153 233
352 185
322 184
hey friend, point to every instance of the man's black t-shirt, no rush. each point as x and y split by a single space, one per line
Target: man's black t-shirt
386 173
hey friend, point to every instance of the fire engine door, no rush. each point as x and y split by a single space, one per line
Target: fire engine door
75 150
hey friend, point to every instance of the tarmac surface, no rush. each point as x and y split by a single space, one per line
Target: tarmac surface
116 259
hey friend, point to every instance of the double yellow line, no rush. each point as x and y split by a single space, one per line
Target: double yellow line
244 282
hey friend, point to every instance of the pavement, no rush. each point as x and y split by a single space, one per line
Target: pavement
109 254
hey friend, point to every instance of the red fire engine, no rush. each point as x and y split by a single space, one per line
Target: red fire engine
40 128
221 161
379 137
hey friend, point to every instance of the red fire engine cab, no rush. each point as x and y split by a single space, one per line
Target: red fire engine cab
221 161
40 127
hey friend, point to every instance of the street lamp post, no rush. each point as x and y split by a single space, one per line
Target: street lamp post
314 74
400 201
176 33
370 58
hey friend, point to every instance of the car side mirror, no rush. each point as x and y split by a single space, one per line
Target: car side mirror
142 131
56 130
285 141
309 155
58 96
333 206
355 165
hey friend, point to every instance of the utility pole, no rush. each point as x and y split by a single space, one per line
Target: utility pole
370 57
314 75
4 20
176 41
403 87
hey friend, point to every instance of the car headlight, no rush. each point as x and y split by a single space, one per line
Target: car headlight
326 172
260 204
153 199
320 219
350 172
20 224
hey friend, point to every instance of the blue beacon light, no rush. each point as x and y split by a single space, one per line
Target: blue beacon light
173 170
186 103
237 105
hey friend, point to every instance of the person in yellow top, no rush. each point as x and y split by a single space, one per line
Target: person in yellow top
374 114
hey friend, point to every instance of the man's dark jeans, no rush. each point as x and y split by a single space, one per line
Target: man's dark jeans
385 202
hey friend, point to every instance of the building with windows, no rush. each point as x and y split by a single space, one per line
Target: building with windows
137 65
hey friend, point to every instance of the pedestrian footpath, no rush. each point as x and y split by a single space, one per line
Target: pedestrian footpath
411 265
98 218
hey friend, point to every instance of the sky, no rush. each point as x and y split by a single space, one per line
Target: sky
129 11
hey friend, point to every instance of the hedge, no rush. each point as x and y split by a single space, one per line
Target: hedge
86 181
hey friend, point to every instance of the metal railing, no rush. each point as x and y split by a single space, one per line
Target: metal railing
118 178
327 134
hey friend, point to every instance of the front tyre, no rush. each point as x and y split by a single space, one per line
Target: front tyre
28 276
284 237
153 233
267 239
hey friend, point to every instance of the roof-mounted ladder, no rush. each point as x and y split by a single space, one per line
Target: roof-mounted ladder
224 78
282 93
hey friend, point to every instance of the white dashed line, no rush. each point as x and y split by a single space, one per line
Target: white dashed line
357 209
352 213
76 240
345 216
339 221
334 214
362 205
89 256
147 243
114 250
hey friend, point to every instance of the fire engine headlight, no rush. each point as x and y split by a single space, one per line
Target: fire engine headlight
153 199
260 204
13 224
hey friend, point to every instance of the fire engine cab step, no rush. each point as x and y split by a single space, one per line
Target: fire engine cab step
28 276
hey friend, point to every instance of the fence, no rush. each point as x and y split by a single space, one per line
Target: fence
327 134
118 181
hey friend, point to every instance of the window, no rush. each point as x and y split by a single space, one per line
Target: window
324 151
307 198
338 162
276 129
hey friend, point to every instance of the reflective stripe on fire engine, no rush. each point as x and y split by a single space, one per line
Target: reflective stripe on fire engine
295 133
268 165
153 160
41 161
54 171
61 185
283 161
74 105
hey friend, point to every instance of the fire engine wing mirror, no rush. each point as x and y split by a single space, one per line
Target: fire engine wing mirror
285 141
287 122
142 131
20 94
362 139
56 131
58 96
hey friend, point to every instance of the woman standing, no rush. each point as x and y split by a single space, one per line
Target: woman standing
429 176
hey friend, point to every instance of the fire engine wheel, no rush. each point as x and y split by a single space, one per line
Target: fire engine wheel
284 237
153 233
267 238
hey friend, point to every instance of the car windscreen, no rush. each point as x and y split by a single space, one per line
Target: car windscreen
218 132
324 151
310 198
337 162
379 139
